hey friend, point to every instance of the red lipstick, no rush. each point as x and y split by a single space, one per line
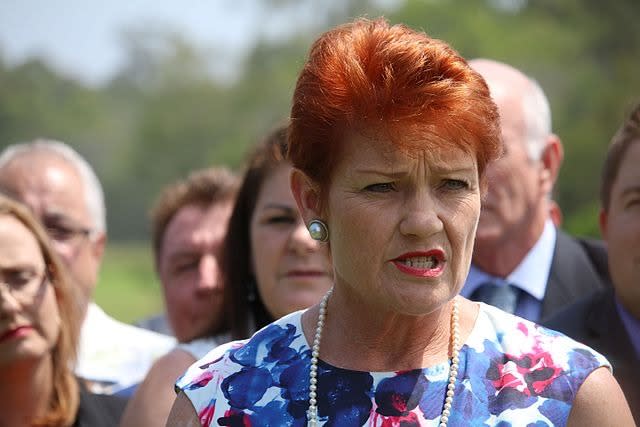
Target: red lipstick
18 332
421 263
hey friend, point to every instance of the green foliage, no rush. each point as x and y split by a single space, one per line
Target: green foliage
164 114
128 288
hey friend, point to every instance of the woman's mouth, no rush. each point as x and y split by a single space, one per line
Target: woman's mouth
306 273
15 332
421 264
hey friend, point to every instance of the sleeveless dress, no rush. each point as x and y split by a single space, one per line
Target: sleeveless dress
512 372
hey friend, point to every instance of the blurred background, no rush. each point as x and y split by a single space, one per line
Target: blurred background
149 90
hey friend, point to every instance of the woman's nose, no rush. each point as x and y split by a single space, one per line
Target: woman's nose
8 302
209 272
421 217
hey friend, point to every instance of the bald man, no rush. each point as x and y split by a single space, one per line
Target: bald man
521 262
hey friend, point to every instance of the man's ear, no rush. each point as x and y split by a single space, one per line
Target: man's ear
551 160
97 245
306 193
602 220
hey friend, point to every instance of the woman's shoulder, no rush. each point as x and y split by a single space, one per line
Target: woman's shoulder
269 345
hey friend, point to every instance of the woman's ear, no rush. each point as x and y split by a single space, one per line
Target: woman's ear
306 194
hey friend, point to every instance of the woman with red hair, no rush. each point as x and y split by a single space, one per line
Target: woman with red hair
390 135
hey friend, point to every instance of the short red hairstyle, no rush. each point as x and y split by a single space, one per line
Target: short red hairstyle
371 75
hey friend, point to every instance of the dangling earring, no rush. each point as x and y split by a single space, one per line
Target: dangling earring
251 291
318 230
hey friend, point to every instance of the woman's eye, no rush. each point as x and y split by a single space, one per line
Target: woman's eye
18 279
280 219
186 265
455 184
382 187
632 203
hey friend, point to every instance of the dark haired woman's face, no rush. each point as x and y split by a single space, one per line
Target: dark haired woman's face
29 317
291 269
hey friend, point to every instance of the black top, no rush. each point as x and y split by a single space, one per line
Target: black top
98 410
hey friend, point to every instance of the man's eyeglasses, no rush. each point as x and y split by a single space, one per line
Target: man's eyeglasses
66 233
23 285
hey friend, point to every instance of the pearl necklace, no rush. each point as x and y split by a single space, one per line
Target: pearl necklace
312 412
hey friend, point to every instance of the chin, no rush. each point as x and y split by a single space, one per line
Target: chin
22 352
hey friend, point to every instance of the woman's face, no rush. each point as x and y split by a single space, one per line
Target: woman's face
292 270
29 319
402 228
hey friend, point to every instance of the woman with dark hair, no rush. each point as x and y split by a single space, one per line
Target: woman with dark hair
272 266
39 327
390 135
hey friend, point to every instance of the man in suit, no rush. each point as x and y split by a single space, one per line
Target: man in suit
521 262
609 320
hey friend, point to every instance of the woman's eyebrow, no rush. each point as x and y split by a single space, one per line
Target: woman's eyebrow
279 207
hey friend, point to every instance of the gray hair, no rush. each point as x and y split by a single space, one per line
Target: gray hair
537 118
93 194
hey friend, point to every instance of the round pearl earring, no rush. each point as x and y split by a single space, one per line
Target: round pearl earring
318 230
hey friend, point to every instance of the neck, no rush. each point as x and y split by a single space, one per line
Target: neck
384 341
500 257
26 387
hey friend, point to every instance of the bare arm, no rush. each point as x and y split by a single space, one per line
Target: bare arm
183 414
152 401
600 402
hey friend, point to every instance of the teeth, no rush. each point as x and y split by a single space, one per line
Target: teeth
422 262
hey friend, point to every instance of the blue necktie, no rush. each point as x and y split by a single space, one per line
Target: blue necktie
505 296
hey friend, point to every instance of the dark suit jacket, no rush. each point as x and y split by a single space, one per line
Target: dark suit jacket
578 268
594 321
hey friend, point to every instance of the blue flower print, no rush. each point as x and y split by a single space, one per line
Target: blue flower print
344 396
271 344
246 387
399 395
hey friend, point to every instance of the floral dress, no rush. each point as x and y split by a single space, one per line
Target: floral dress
511 373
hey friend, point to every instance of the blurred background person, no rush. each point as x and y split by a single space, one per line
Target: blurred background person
188 225
609 320
64 193
40 321
271 268
522 262
272 265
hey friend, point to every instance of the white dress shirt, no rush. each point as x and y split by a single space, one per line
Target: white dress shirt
113 355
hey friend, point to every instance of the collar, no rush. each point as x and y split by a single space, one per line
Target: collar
531 275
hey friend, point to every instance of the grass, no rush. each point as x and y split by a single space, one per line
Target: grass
128 288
